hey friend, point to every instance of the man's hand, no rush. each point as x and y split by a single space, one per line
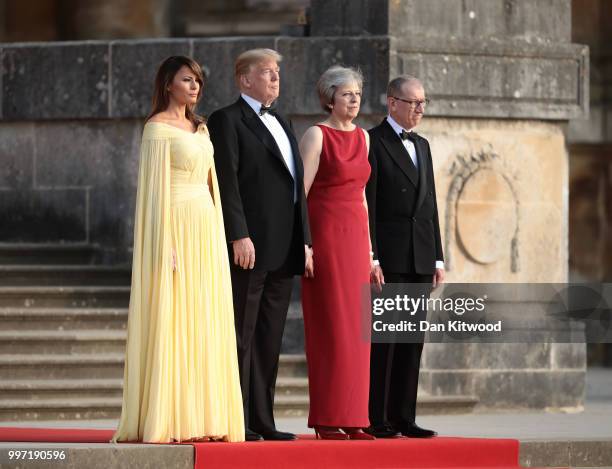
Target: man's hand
244 253
376 277
309 268
438 278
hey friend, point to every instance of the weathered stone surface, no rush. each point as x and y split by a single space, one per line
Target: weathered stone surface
544 453
464 79
447 382
308 58
528 155
217 56
547 20
566 356
512 389
102 456
76 153
43 215
17 153
446 356
566 453
133 68
71 81
498 356
590 453
499 79
112 198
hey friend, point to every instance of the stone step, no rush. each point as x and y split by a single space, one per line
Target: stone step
54 319
62 342
42 253
292 365
291 405
64 297
61 366
64 275
71 366
445 405
291 386
39 389
74 408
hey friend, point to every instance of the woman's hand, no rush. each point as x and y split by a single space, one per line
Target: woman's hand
376 276
309 268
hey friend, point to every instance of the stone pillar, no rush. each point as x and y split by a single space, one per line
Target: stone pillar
590 149
504 79
114 19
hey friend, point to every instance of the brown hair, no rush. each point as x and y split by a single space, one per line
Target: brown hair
165 74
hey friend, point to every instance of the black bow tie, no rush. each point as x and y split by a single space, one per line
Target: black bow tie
408 136
263 109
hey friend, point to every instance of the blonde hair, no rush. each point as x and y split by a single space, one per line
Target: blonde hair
333 78
244 61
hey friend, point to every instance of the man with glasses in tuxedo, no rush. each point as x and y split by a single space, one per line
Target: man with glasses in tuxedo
407 247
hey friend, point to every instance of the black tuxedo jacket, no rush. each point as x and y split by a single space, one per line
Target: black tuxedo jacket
257 190
402 205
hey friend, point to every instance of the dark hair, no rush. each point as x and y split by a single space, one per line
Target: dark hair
165 74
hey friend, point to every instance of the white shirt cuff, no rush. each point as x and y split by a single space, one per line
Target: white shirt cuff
439 264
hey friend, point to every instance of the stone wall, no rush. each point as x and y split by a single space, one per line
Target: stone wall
504 84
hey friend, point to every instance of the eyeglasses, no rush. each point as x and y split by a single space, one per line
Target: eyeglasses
413 102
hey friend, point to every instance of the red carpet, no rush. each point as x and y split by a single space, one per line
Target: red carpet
309 453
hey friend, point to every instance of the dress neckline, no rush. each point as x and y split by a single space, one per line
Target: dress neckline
175 127
339 130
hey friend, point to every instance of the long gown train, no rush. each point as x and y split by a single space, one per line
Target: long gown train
181 374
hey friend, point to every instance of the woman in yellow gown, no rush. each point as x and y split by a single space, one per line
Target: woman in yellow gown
181 378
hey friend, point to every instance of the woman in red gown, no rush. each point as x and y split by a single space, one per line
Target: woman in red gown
336 169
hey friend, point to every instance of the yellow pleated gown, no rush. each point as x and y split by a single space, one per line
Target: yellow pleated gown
181 372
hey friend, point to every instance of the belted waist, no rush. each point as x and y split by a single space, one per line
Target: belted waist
182 192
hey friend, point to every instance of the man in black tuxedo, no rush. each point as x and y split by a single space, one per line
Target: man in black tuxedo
407 247
266 223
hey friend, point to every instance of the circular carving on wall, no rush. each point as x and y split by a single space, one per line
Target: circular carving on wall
486 216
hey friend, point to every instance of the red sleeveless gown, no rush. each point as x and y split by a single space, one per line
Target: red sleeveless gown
338 353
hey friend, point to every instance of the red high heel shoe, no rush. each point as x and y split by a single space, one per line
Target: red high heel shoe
355 433
329 433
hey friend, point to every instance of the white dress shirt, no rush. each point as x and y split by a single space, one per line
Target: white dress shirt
410 148
279 135
408 145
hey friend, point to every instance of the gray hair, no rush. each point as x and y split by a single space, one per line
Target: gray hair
395 86
333 78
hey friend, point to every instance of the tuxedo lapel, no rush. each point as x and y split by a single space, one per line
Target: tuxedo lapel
253 122
398 153
294 145
422 159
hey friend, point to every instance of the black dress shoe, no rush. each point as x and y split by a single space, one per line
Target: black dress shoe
278 436
412 430
382 431
250 435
